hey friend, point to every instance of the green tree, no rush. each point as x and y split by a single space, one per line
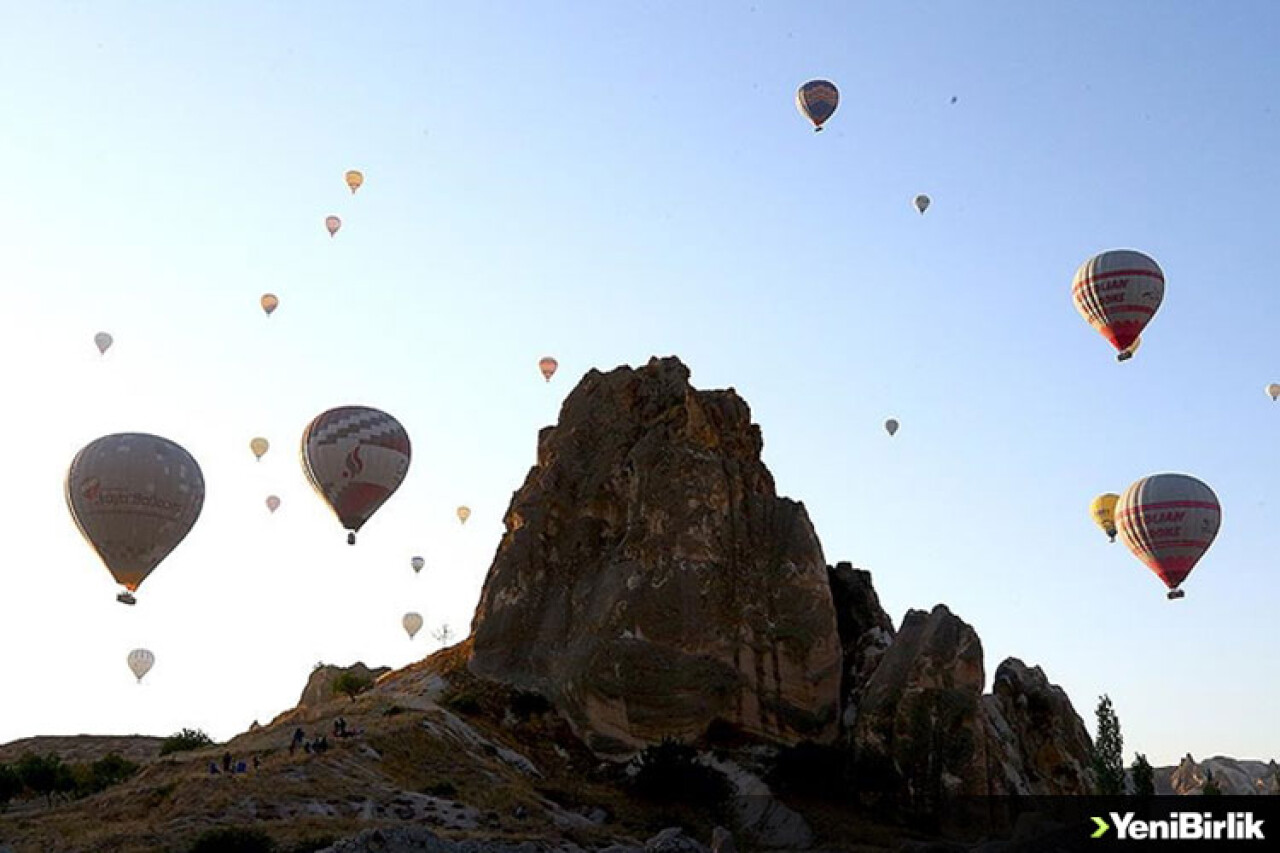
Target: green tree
45 775
670 772
10 785
1143 776
185 740
1108 751
351 684
1210 788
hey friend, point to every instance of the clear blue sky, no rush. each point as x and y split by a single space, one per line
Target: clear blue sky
604 182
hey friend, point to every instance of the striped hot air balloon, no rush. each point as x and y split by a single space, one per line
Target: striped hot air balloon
817 100
355 458
1169 521
1118 292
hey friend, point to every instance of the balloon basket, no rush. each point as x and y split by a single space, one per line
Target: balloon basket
351 539
1124 356
1175 594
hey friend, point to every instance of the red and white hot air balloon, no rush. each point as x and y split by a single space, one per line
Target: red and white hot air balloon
548 367
1118 292
355 458
1169 521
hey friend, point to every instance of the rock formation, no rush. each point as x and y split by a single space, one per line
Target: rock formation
1233 776
651 580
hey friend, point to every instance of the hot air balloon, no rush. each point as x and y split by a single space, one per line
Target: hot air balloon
1168 521
103 341
273 503
417 563
922 203
354 180
1273 390
134 497
1103 510
891 426
355 458
141 661
333 223
548 367
817 100
1118 292
259 446
270 302
463 514
412 623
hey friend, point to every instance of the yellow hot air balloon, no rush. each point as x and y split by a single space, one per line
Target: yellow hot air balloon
140 662
269 302
817 100
355 458
259 446
1103 510
463 514
354 180
134 497
332 223
548 366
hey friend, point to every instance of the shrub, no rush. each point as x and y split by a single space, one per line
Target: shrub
185 740
811 770
233 839
10 784
670 772
351 684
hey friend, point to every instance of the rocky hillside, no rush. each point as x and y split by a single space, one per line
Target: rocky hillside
1233 776
650 584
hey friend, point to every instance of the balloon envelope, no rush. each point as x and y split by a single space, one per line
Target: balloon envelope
548 367
412 623
269 302
1169 521
817 100
103 341
463 514
417 563
922 203
259 446
134 497
891 426
1118 292
355 458
1273 390
141 661
273 503
1103 510
354 180
332 223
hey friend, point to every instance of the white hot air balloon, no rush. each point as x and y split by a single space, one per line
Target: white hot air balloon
273 503
412 623
141 661
1169 521
417 563
103 342
1273 391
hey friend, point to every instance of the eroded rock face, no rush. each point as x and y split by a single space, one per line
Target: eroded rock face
651 580
865 632
1044 745
920 712
1233 776
319 689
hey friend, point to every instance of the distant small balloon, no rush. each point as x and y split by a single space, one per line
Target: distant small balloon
417 563
922 203
259 446
269 302
333 223
273 503
891 426
354 180
141 661
412 623
817 101
1273 390
103 341
463 514
548 366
